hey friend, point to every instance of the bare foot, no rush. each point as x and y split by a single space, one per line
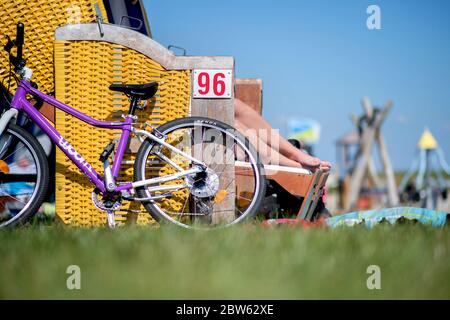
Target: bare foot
312 163
306 160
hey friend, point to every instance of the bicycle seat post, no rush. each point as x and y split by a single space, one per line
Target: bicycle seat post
133 105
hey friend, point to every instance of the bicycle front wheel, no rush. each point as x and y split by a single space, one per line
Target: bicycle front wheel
229 191
24 176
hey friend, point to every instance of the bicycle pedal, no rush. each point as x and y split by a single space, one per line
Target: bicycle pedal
111 216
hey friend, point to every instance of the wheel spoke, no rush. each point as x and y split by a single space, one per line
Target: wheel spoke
13 153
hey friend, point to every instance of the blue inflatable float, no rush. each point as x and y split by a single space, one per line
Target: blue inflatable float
392 215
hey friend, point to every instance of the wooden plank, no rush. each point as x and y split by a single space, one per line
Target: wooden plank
143 44
250 92
306 204
294 180
317 195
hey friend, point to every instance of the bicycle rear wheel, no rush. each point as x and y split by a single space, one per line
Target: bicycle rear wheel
223 195
24 176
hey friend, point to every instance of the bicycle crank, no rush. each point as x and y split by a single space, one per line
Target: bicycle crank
108 202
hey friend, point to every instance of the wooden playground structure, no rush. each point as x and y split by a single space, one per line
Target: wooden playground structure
359 168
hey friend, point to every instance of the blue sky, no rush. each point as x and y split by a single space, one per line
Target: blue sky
317 59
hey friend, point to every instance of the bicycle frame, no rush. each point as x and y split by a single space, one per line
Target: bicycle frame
20 103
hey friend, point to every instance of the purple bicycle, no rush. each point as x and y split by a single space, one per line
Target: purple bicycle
184 171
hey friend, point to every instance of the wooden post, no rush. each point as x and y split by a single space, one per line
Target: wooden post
223 110
390 177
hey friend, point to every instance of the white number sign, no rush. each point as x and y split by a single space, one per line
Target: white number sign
212 84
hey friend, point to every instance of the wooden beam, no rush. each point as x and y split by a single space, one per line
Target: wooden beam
388 170
141 43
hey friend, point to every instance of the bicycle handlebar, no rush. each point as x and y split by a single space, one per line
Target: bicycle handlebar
17 61
19 40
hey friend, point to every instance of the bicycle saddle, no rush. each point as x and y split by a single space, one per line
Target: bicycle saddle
141 91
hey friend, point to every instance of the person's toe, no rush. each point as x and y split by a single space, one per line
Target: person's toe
311 162
325 165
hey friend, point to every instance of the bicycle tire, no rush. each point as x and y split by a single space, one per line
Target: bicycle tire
143 151
42 183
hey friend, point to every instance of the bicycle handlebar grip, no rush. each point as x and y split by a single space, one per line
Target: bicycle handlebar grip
19 39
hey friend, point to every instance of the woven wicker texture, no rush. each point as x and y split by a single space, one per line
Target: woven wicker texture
83 72
41 18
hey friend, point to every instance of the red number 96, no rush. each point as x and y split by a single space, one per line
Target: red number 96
204 83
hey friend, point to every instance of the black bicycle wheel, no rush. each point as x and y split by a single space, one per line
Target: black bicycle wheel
24 176
225 194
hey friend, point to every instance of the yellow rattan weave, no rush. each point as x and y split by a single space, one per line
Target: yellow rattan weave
83 72
41 18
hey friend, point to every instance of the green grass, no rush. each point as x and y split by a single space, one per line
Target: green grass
244 262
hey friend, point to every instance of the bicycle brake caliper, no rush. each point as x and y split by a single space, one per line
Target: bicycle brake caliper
155 131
